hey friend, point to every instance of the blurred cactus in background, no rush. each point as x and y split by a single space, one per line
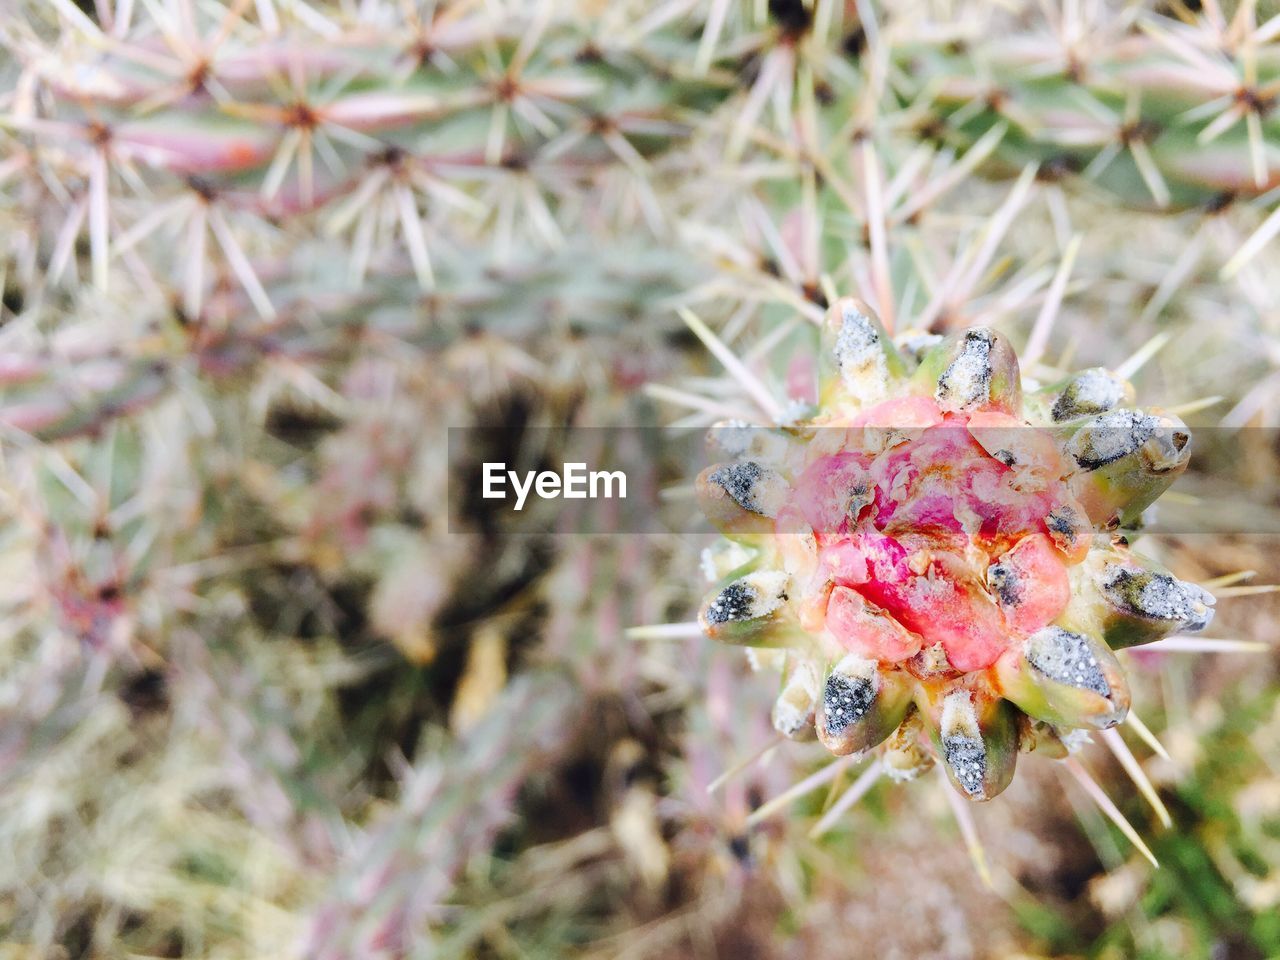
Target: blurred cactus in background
267 690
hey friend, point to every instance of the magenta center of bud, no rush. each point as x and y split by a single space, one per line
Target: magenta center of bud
948 531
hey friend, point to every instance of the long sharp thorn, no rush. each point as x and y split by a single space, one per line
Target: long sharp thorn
798 790
1249 591
1173 279
280 163
69 10
1052 304
1228 580
983 148
414 238
1115 743
664 631
1140 356
306 171
193 288
1150 172
746 379
1251 247
64 244
1104 803
1268 31
1257 148
123 19
876 226
744 763
98 218
695 402
710 34
1193 406
240 264
968 829
1144 733
866 780
999 224
1204 645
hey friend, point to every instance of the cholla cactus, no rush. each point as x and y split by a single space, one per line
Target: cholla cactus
253 256
940 560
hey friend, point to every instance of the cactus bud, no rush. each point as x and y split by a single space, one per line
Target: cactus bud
739 440
750 610
1090 392
741 498
978 743
861 705
972 371
1065 678
950 542
905 754
859 359
1140 605
795 710
1126 459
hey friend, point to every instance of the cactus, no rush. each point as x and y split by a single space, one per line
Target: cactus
1169 113
269 689
940 552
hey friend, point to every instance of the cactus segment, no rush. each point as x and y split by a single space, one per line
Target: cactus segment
748 610
1126 459
973 370
741 498
1142 605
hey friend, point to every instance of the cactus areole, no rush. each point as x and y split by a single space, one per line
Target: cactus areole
938 560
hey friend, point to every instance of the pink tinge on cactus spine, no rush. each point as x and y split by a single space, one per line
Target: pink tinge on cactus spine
382 110
197 151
